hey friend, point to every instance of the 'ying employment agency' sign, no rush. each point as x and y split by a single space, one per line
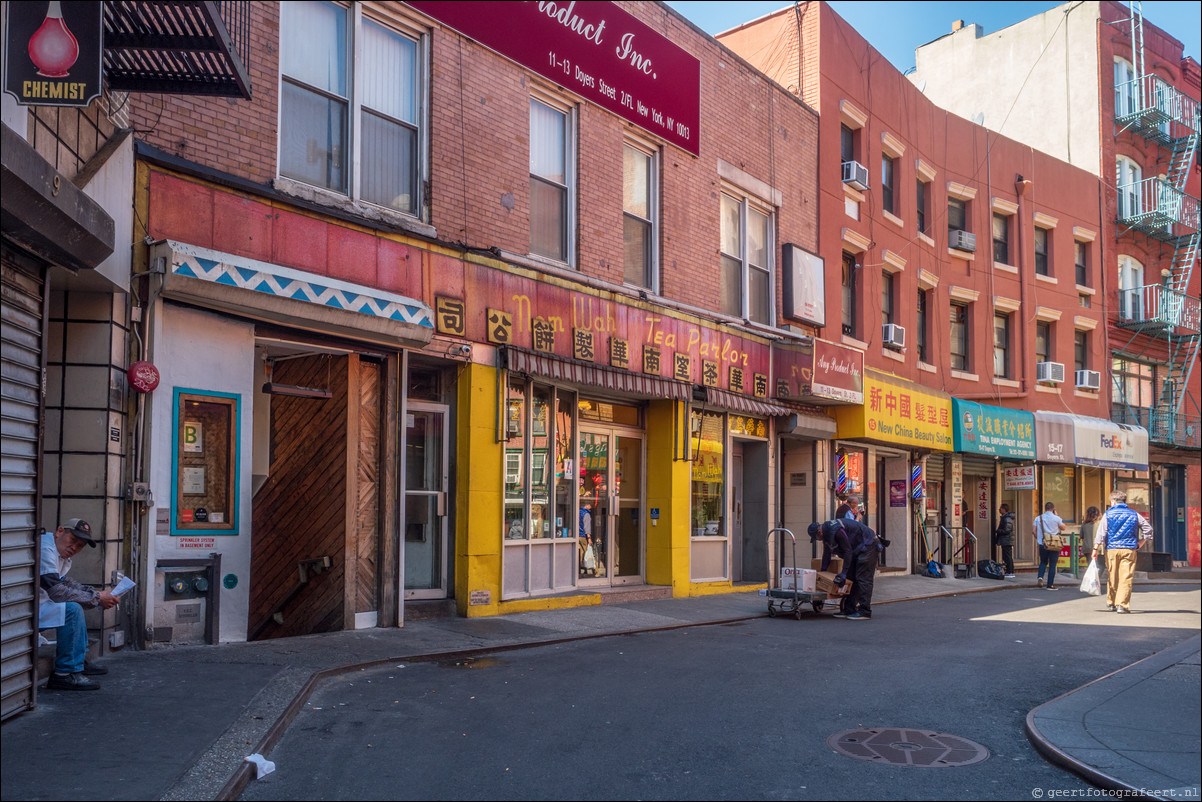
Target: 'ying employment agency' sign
596 50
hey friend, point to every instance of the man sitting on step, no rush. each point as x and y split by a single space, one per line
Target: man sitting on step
61 606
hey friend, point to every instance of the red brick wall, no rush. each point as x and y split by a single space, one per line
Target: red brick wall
235 136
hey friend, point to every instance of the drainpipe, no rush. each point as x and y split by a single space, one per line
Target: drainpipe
1021 186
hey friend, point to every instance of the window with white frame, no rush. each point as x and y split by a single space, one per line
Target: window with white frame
1001 238
888 187
1128 178
1081 349
958 336
746 244
1001 345
1081 262
1043 265
887 311
848 294
1131 288
1125 89
551 181
639 181
1043 341
923 191
351 124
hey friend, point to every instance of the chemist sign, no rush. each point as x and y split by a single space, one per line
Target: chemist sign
52 53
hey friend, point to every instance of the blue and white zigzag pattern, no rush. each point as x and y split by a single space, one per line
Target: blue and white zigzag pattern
382 305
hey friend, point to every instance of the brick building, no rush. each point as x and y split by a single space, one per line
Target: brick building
958 251
1114 94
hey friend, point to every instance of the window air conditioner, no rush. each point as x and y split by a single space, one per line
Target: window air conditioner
1049 372
962 241
894 336
855 174
1089 380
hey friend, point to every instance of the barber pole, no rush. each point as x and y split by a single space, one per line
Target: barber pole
916 481
840 473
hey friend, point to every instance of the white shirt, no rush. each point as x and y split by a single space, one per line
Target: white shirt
1049 522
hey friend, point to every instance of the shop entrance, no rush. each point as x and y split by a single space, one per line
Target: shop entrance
316 507
611 506
426 478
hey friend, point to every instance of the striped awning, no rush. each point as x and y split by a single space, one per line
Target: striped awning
745 404
573 371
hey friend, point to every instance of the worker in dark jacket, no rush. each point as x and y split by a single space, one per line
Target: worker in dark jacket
859 548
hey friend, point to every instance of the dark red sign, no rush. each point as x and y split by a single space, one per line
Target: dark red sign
818 370
596 50
143 376
52 53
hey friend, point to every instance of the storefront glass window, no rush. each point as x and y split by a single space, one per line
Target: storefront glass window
1060 488
565 515
206 464
541 468
515 459
708 473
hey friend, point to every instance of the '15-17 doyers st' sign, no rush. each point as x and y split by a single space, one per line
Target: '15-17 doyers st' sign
596 50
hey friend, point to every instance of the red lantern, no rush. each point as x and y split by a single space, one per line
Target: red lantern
143 376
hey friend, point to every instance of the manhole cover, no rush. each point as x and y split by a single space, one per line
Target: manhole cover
904 747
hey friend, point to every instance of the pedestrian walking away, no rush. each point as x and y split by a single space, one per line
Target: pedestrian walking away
1047 529
1121 531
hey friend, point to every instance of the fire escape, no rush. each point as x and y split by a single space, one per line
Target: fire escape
1161 317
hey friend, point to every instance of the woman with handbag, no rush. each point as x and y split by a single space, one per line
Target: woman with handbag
1047 528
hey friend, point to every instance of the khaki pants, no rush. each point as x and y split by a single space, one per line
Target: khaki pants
1120 564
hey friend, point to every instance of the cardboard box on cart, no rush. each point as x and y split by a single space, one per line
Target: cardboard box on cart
803 580
835 567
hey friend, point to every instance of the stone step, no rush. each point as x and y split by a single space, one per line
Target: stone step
428 609
621 594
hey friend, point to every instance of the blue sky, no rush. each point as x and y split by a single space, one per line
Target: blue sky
896 28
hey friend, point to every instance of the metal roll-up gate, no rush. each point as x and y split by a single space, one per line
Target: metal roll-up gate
21 352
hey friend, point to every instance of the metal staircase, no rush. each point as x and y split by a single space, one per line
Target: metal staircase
1160 210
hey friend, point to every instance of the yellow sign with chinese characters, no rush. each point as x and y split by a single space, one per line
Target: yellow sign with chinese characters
898 411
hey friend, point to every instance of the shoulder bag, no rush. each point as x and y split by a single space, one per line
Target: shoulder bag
1050 542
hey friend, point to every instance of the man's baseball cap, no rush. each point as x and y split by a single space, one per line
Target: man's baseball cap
81 529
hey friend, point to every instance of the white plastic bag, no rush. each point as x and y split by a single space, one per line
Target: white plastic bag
1090 583
590 561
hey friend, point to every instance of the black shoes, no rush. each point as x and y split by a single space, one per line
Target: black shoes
90 669
71 682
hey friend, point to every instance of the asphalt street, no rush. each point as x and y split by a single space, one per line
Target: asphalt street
737 711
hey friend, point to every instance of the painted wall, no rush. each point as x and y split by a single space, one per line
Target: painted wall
205 352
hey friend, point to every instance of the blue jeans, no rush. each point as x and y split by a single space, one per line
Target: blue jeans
1048 559
72 642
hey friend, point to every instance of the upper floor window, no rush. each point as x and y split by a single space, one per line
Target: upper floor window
551 185
920 205
1128 177
887 311
847 143
1043 265
1001 238
1124 87
746 259
849 294
1001 345
1043 341
1081 350
639 216
350 105
920 336
888 193
958 337
957 214
1081 262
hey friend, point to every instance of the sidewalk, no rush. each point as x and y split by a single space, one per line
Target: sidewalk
176 723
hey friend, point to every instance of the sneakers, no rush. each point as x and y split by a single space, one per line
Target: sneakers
71 682
1123 610
858 616
1039 582
1050 587
90 669
1009 576
1110 608
841 614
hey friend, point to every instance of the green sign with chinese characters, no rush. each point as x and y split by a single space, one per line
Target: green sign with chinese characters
999 432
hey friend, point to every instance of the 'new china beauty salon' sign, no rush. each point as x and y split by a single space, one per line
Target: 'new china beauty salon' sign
596 50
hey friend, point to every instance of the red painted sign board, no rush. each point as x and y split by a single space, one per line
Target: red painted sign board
596 50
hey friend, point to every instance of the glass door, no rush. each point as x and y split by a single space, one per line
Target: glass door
611 508
425 500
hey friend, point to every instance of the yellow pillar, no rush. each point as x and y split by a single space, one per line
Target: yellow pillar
479 492
668 487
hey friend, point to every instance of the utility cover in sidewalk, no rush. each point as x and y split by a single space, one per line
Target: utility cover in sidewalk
905 747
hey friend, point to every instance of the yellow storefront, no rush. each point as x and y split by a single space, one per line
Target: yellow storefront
902 428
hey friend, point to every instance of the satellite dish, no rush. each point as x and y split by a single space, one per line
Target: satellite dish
979 118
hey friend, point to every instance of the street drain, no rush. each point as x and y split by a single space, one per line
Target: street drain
905 747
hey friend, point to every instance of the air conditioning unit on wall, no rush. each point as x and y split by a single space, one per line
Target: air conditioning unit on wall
894 336
1049 372
962 241
855 174
1089 380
